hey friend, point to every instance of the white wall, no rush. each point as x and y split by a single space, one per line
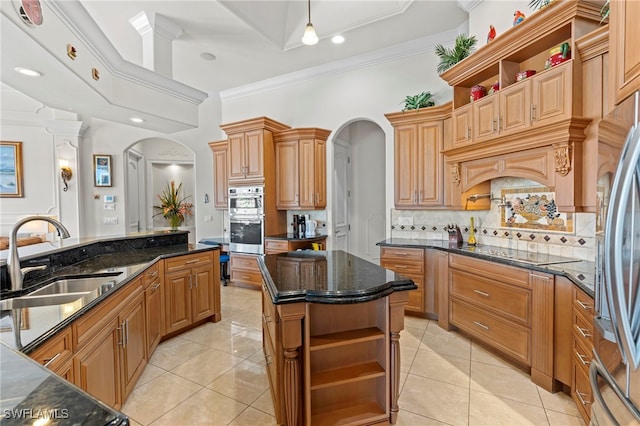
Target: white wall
332 99
498 13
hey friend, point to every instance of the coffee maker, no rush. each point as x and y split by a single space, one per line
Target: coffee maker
299 226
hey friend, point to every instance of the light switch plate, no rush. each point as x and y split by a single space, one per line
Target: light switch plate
110 206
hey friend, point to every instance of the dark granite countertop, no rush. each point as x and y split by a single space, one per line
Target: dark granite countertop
580 272
327 277
292 238
118 264
30 393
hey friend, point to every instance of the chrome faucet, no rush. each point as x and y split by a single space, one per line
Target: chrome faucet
16 273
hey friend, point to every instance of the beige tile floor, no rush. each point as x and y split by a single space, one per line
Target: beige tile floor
215 375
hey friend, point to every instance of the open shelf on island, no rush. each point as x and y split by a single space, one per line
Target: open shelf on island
342 375
347 337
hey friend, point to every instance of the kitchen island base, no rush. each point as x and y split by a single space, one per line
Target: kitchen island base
334 363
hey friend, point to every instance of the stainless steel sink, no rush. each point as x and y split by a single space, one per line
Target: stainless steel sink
76 285
45 300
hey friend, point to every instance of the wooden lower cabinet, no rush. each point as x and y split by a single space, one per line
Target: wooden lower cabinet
113 353
56 354
334 364
244 270
154 307
277 245
410 263
192 289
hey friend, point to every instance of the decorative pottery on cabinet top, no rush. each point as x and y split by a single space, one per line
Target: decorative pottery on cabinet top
534 208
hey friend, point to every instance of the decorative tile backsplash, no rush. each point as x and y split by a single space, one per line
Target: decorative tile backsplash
534 208
576 237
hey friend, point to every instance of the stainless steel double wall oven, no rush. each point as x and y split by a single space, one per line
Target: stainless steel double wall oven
246 218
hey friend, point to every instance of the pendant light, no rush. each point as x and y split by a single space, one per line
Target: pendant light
309 38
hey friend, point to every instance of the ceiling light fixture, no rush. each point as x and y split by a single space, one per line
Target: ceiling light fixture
27 72
310 37
337 39
136 120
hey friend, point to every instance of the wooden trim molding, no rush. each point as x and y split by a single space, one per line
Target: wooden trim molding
455 173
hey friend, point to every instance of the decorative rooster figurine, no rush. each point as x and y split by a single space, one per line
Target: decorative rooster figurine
518 17
492 34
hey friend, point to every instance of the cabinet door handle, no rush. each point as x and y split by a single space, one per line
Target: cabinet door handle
532 110
583 332
581 396
582 358
468 133
48 361
196 275
479 324
126 334
121 332
481 293
266 318
584 305
493 125
499 123
157 286
190 281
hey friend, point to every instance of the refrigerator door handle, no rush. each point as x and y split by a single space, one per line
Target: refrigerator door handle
623 311
598 370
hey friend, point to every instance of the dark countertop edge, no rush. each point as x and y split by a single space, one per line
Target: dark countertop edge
281 298
119 418
290 237
34 344
506 261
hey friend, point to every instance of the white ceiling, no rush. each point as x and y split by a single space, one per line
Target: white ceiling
252 40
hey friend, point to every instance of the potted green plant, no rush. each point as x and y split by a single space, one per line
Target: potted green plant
172 207
538 4
464 46
421 100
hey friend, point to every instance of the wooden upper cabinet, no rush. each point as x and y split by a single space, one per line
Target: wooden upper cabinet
515 105
220 151
552 95
461 126
419 141
485 118
250 147
301 175
624 47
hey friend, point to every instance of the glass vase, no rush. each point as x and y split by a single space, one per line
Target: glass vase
174 222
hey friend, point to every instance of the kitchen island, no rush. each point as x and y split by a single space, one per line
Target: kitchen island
331 330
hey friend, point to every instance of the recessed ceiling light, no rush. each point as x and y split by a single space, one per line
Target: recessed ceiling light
337 39
206 56
27 71
136 120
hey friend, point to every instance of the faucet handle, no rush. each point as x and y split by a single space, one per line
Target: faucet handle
28 269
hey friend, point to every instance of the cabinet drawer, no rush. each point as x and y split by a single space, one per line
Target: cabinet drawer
582 392
402 253
582 353
583 303
583 329
510 301
249 277
152 274
416 301
403 266
190 260
507 337
491 270
54 352
244 261
276 246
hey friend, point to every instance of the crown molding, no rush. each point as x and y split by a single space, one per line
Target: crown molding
468 5
410 48
145 22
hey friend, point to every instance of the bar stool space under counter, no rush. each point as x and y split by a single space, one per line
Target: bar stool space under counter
331 330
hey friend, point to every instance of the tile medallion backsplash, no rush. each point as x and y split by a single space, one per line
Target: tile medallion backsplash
534 208
535 228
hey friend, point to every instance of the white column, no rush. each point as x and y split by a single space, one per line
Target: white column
158 33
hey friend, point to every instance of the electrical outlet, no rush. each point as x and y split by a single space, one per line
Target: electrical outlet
110 206
110 220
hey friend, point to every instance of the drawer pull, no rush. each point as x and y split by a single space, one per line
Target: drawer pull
48 361
266 318
152 274
584 305
582 358
268 359
581 396
583 332
481 293
479 324
400 266
188 262
157 286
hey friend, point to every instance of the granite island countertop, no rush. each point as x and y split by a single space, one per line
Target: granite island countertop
335 277
581 272
31 394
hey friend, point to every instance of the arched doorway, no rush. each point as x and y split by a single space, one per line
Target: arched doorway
358 201
151 164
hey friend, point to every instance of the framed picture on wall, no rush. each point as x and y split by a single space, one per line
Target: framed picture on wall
102 170
11 169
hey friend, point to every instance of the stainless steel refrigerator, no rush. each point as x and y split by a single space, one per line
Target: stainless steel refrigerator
615 375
